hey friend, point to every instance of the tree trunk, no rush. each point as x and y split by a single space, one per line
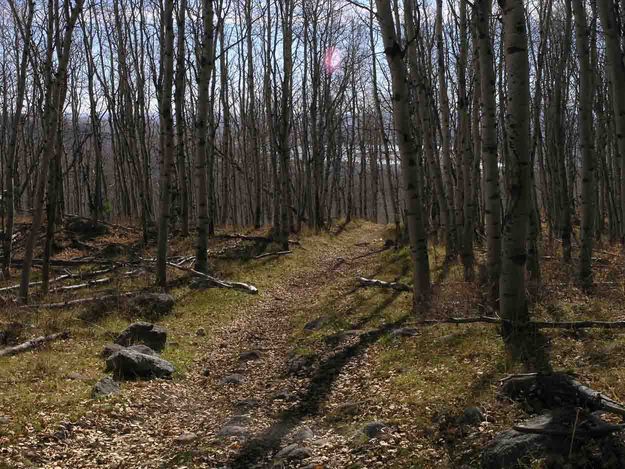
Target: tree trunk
492 197
586 143
513 304
167 165
409 155
205 65
616 74
53 108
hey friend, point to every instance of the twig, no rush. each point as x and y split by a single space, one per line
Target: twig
269 254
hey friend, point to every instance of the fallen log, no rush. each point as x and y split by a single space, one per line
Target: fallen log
262 239
372 282
33 284
259 239
130 229
90 283
588 324
217 282
64 262
270 254
80 301
32 344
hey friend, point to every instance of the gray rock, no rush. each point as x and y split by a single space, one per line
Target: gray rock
238 420
472 416
303 434
299 454
129 364
142 349
186 437
233 430
86 228
346 410
282 395
77 377
145 333
298 365
199 283
234 378
284 452
245 404
110 349
5 420
512 448
249 355
294 452
373 429
105 387
151 305
314 324
405 332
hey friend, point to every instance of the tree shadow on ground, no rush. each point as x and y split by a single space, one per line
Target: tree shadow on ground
318 389
341 227
443 272
529 347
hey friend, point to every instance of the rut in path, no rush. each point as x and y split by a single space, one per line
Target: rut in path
145 430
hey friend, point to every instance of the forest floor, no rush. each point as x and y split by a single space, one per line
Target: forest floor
329 363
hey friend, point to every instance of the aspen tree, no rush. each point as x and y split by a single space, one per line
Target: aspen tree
587 149
205 66
409 153
167 162
492 197
513 301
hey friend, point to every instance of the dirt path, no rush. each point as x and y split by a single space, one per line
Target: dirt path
276 398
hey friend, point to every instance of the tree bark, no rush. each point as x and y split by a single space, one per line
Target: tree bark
587 149
167 165
513 305
492 199
409 155
205 65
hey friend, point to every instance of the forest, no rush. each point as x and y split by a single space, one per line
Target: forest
312 233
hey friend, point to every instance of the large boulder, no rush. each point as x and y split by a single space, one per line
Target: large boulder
130 364
105 387
512 449
10 333
110 349
151 305
145 333
86 228
373 429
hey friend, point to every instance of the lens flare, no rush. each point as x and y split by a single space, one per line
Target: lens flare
332 59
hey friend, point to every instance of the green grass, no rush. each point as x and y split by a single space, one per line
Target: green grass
441 371
36 392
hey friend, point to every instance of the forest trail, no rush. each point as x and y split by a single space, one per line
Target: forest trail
273 391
